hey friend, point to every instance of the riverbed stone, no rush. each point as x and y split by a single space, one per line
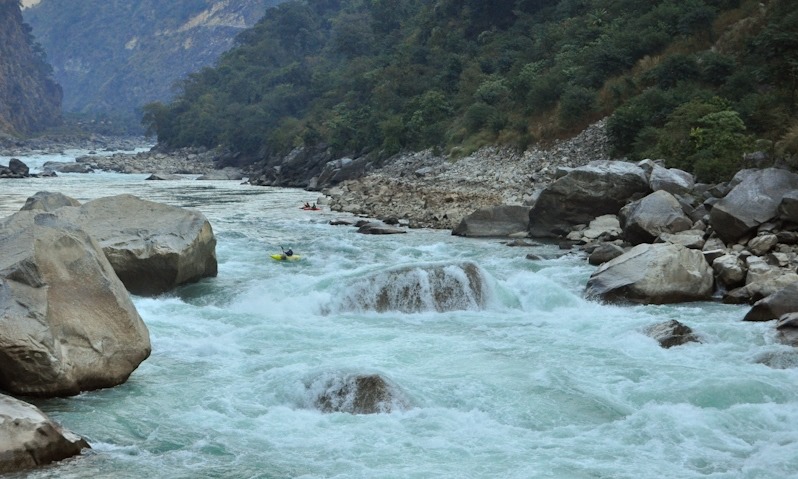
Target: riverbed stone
358 394
29 439
68 322
653 274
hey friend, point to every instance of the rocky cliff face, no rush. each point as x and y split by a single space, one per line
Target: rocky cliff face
115 56
29 98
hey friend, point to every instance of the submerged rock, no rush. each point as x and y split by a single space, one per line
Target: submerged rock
413 289
28 438
672 333
356 394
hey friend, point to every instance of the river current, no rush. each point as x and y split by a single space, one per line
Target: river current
539 383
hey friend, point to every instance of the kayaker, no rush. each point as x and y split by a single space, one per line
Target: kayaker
287 253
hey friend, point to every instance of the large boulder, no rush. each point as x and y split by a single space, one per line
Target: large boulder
654 274
497 221
772 307
599 188
28 438
412 289
645 219
152 247
68 322
754 200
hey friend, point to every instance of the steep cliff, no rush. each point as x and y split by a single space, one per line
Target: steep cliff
112 57
29 98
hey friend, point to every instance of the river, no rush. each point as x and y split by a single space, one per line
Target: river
540 383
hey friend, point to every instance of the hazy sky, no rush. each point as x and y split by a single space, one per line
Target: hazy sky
28 3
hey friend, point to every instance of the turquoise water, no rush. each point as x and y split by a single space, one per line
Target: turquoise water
540 383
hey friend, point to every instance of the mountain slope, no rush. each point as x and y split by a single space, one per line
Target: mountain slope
697 82
112 57
29 99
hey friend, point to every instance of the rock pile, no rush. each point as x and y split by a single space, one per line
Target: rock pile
434 191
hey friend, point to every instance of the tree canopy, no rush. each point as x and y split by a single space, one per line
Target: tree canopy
378 77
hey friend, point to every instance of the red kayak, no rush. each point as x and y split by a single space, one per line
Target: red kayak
309 209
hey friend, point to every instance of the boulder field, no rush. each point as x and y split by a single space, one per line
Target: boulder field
68 322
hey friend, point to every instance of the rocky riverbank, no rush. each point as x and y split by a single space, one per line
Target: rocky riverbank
434 191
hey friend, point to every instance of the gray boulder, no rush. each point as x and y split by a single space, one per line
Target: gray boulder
672 180
788 328
777 304
729 270
28 438
653 274
18 167
67 167
603 253
152 247
372 228
599 188
48 201
644 220
672 333
492 222
754 200
68 323
788 208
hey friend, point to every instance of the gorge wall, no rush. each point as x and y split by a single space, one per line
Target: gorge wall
112 57
30 100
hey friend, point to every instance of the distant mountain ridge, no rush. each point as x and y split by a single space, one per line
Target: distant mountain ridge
29 98
113 56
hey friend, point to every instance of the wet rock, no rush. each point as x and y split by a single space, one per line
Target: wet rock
788 328
357 394
379 229
417 288
781 302
29 439
672 333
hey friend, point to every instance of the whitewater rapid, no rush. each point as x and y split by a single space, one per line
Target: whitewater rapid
536 382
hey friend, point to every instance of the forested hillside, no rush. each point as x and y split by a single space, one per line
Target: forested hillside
29 98
698 82
113 56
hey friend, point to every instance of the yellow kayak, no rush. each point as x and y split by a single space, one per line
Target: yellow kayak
282 257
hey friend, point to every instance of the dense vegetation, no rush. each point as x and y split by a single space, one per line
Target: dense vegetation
697 82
